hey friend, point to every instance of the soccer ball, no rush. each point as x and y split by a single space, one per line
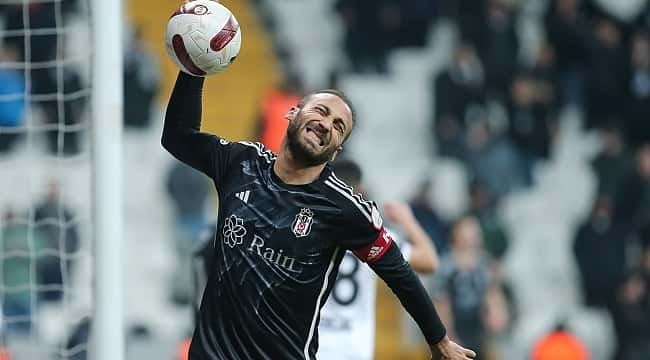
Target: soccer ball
203 37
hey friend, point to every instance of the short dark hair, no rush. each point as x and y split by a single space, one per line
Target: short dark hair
349 171
334 92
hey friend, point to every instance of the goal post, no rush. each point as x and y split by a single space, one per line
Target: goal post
107 337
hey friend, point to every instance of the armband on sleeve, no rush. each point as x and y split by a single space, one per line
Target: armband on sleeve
375 250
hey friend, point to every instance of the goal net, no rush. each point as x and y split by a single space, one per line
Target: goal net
47 271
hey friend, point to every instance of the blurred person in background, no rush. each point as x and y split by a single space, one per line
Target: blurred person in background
637 101
53 74
612 162
189 192
490 157
498 47
364 39
19 246
347 321
141 81
460 86
632 197
461 286
559 344
483 206
63 134
12 103
56 221
426 215
599 249
531 121
275 103
633 308
605 74
497 313
567 30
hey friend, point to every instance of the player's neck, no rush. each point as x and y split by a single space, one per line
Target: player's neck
293 173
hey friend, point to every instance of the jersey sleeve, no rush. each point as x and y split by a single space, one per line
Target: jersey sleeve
182 137
363 230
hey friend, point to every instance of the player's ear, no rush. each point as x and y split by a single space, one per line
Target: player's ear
291 114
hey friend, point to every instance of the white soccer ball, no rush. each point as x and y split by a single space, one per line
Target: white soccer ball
203 37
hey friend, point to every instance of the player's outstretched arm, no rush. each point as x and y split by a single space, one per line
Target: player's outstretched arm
181 132
400 277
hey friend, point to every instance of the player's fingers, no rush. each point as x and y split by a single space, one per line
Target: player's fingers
470 354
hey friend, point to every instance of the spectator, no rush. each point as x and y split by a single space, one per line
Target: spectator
483 206
567 32
637 106
490 158
559 344
469 15
498 47
531 119
364 41
45 78
418 15
63 135
606 74
496 317
19 247
633 312
456 90
632 201
12 103
141 81
426 215
189 191
57 224
612 162
461 284
599 249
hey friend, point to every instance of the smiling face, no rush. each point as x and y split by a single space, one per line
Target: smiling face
318 128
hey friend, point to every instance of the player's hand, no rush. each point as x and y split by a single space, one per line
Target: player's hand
398 213
449 350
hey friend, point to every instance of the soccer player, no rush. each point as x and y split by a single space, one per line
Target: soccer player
285 223
347 321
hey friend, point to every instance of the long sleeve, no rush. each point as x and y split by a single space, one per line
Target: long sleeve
181 132
400 277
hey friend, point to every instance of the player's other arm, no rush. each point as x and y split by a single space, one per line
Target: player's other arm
422 256
181 133
402 280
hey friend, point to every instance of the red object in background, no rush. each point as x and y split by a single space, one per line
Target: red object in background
559 345
275 106
183 352
4 354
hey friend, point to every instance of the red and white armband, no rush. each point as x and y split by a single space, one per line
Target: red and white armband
375 250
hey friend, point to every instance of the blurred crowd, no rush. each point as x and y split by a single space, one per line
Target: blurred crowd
496 109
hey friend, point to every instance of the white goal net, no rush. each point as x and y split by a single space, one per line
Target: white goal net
46 179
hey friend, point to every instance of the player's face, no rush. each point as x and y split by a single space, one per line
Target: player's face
316 131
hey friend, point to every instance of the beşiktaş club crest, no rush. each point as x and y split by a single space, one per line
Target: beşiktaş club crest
302 223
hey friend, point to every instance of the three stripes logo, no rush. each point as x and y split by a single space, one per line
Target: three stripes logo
243 196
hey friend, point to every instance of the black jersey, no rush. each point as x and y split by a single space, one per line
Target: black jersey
276 256
277 246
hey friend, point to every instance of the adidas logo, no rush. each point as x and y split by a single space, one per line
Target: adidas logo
243 195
